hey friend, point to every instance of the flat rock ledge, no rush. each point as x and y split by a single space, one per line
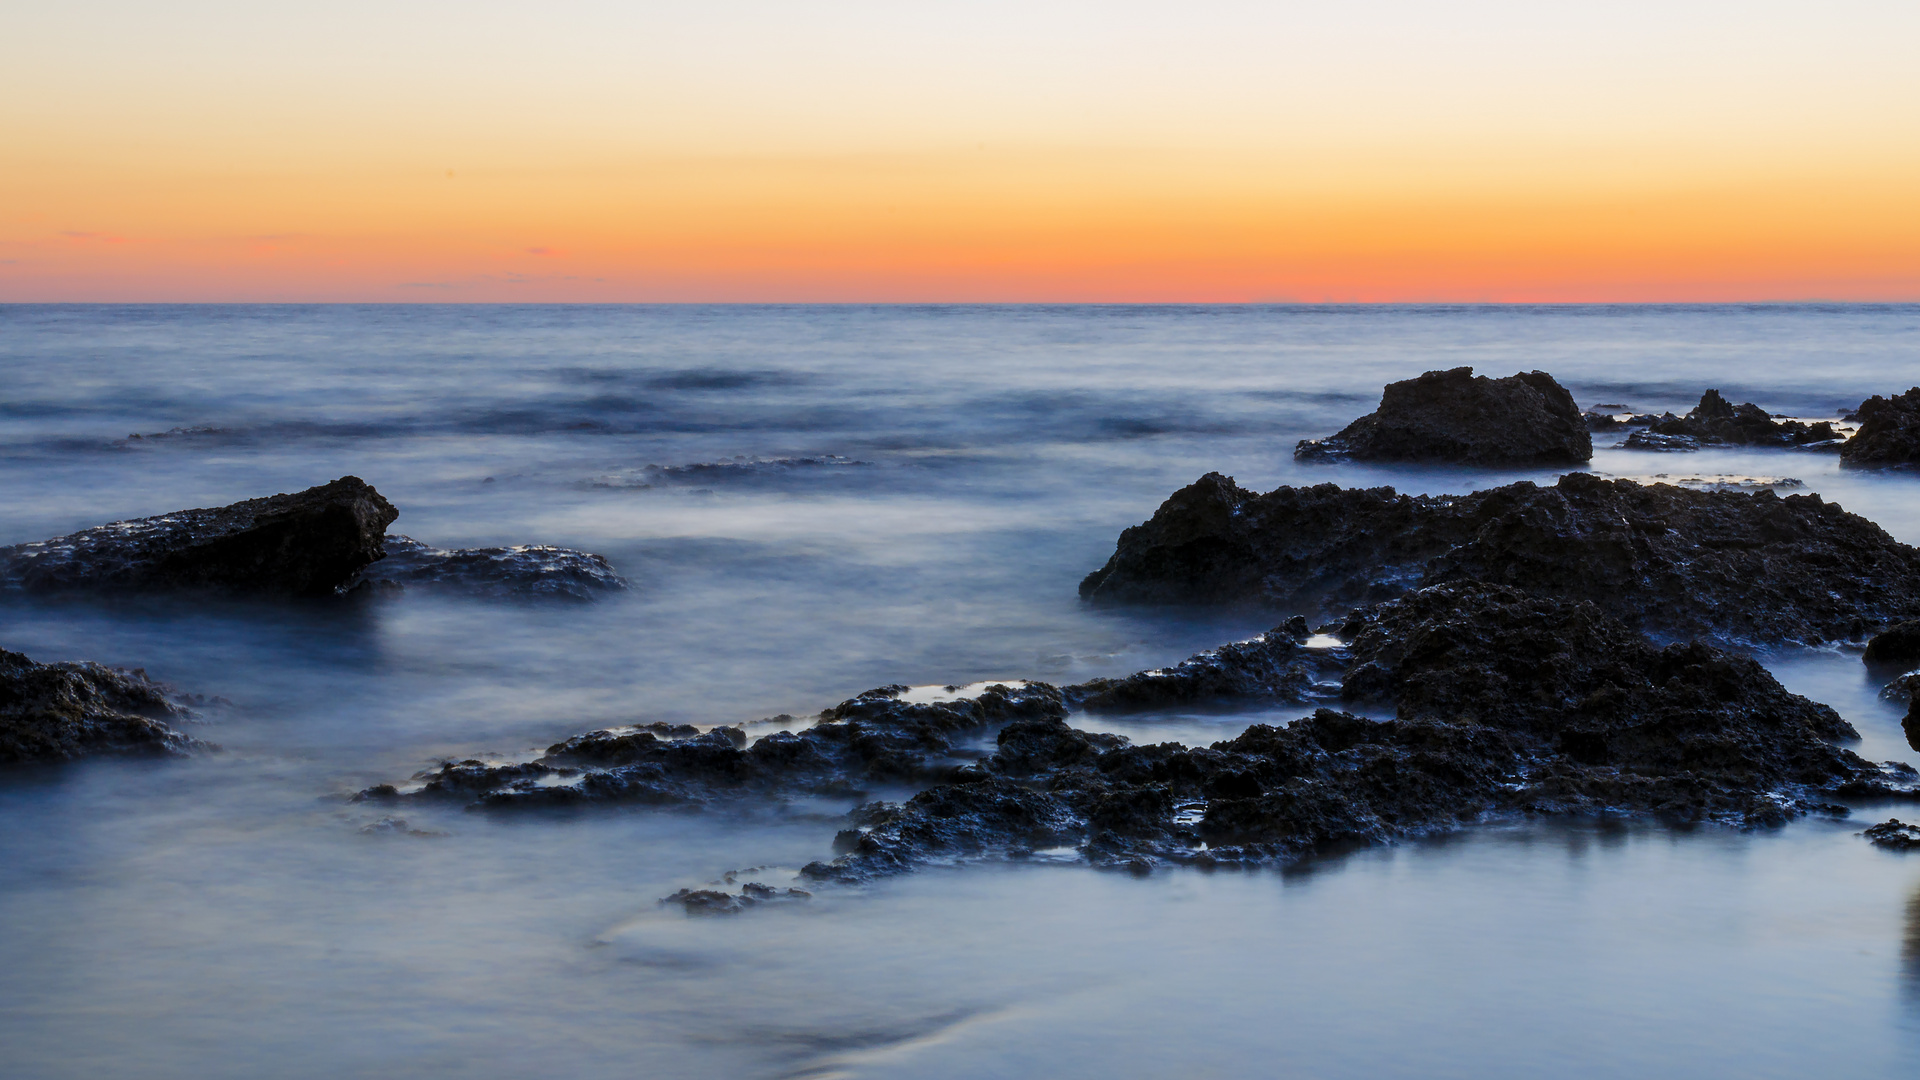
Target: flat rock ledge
1505 704
62 711
1523 419
309 543
1726 565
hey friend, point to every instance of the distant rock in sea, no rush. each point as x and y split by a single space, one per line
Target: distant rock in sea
1523 419
523 571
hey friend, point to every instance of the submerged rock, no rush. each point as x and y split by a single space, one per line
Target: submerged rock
526 571
719 902
1523 419
1736 566
1894 833
1889 431
1716 421
1506 703
1654 440
56 712
309 543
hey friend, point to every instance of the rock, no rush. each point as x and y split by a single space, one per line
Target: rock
310 543
1653 440
1506 703
1894 833
1716 421
1896 645
56 712
524 571
1523 419
872 739
1274 666
1910 725
1889 431
718 902
1725 564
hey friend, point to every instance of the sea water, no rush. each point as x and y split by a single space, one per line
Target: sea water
809 502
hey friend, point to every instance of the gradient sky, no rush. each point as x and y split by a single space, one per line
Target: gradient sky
1039 150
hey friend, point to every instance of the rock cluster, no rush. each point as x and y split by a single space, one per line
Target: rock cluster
1724 564
309 543
1889 431
1523 419
56 712
1504 703
1716 421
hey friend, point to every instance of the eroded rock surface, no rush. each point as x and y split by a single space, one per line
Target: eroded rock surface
60 711
1505 703
1726 564
1896 645
1523 419
1895 834
1276 666
524 571
1889 431
309 543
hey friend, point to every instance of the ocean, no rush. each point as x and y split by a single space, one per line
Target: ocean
811 501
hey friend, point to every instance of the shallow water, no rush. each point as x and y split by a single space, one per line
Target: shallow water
893 495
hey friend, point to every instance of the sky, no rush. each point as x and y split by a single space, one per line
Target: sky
926 150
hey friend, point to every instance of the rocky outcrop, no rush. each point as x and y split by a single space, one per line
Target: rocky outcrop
1523 419
309 543
523 571
1889 431
55 712
1505 703
1716 421
1724 564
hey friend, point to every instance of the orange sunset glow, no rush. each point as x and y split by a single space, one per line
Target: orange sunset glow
859 152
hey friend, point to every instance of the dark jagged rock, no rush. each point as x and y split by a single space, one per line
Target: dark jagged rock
1889 431
1716 421
309 543
1654 440
1506 703
56 712
1894 833
1910 725
524 571
1896 645
1275 666
873 739
1523 419
1744 567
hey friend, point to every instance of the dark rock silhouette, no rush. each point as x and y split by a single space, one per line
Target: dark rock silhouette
1889 431
309 543
1726 564
1523 419
1896 645
55 712
1717 421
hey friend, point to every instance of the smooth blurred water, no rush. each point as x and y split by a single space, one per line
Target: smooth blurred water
223 916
